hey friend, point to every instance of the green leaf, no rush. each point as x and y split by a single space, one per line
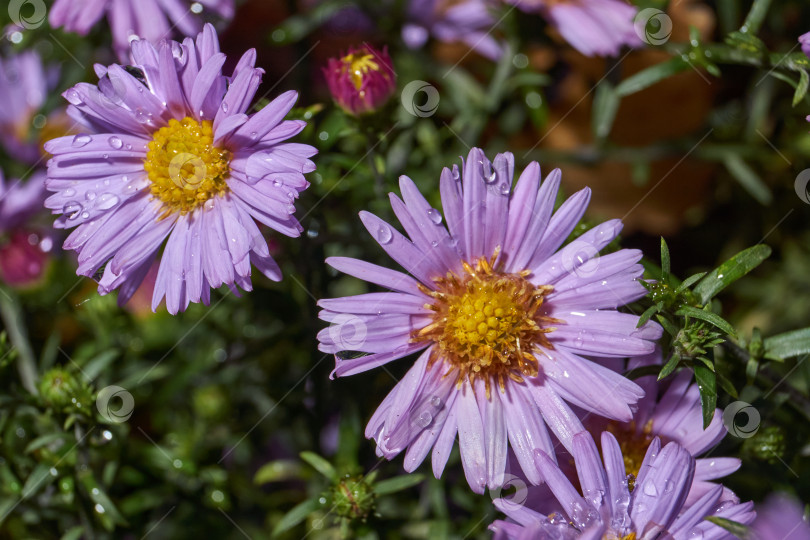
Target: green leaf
730 271
757 13
788 345
671 329
605 105
746 42
727 386
392 485
748 178
669 367
688 282
737 529
707 384
642 371
665 266
320 465
44 440
709 317
649 312
295 516
110 517
73 533
277 471
99 363
801 88
39 478
650 76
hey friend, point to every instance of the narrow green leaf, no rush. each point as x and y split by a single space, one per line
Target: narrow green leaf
707 384
320 465
642 371
730 271
801 88
605 104
668 326
277 471
295 516
737 529
709 317
650 76
669 367
748 178
398 483
73 533
755 16
727 386
665 266
39 478
649 312
44 440
688 282
788 345
110 515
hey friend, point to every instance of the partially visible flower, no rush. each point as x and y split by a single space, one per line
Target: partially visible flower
593 27
780 518
804 41
24 85
468 21
655 507
674 416
24 247
503 316
362 80
152 20
172 154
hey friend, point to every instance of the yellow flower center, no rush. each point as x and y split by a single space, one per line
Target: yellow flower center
359 65
185 167
634 444
487 323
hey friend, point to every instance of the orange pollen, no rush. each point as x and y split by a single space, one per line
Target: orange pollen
487 324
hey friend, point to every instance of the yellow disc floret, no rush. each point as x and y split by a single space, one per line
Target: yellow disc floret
185 167
359 64
487 323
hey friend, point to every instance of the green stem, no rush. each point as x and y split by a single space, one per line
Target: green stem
13 321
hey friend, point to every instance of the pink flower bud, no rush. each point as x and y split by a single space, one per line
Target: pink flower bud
362 80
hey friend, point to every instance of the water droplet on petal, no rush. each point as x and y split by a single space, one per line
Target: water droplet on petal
434 215
72 209
85 215
456 174
115 142
90 195
384 234
69 192
650 489
224 107
81 140
436 401
106 201
505 188
424 419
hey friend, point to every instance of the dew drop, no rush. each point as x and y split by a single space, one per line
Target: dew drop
650 489
436 401
504 188
224 107
73 97
85 215
100 509
434 215
72 209
253 135
69 192
115 142
107 201
456 174
424 419
82 139
90 195
384 234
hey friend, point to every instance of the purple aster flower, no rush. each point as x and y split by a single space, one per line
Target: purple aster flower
24 85
593 27
362 80
152 20
780 518
672 413
502 315
804 41
468 21
24 247
653 506
171 153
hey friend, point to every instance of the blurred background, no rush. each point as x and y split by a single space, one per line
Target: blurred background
127 423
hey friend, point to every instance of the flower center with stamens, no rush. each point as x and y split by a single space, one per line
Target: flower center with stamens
358 65
487 324
633 443
184 166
